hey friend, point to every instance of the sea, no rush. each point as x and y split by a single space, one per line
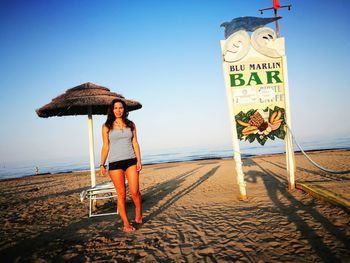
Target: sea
56 166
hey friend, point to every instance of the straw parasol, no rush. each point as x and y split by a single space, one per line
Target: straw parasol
77 100
85 99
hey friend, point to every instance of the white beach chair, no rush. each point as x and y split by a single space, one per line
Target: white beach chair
99 192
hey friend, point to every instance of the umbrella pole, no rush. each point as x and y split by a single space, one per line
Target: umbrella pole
91 148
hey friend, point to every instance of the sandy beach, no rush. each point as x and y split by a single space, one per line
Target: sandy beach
191 214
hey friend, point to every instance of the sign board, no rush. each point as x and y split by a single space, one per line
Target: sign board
255 72
257 88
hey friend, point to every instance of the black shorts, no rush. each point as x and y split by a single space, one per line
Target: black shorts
123 164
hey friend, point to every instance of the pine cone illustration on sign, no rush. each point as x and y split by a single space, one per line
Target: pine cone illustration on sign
256 120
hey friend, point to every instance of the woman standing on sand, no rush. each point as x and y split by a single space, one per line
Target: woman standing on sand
123 151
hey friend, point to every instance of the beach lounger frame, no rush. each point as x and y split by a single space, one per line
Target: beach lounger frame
99 192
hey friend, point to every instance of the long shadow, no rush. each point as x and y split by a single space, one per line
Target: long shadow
164 167
32 183
46 197
321 173
167 187
161 191
17 190
27 247
158 192
247 162
250 162
208 162
274 186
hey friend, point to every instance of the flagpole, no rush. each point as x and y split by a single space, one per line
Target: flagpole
275 6
276 22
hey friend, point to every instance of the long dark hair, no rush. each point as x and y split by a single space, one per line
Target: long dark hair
111 117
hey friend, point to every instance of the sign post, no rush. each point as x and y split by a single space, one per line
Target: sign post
255 73
235 143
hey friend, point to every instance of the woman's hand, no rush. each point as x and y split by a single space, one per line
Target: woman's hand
102 171
138 166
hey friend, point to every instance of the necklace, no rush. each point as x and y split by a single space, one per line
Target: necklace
119 125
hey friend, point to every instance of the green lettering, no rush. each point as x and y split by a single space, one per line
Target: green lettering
273 75
254 77
237 78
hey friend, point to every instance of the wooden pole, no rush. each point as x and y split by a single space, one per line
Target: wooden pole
91 148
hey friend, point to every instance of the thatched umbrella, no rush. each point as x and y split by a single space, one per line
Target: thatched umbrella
85 99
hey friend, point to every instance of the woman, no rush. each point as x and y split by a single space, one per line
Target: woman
123 151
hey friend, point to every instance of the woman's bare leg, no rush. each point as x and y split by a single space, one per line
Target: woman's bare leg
118 180
133 179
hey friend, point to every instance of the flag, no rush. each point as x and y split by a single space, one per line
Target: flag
276 4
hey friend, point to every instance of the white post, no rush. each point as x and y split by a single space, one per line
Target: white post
91 148
237 156
286 145
290 161
235 143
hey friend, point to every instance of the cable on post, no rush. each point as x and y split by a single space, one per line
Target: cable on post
313 162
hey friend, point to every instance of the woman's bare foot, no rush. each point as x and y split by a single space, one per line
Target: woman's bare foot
128 229
138 221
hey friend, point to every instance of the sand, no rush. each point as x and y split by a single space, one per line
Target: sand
191 214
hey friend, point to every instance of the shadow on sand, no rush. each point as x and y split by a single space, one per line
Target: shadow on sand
60 238
275 185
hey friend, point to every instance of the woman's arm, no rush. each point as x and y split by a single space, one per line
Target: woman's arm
136 147
105 149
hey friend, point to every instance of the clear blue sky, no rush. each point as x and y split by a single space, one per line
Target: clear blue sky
165 54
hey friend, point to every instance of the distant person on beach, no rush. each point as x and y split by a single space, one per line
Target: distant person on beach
123 151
